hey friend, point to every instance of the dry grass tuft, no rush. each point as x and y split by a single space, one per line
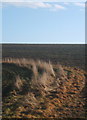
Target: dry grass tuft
44 76
19 83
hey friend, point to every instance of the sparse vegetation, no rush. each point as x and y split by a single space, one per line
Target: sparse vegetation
39 89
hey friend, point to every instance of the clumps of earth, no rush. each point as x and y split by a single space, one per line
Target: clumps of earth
39 89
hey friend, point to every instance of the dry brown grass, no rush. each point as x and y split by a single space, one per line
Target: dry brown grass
49 89
43 73
19 82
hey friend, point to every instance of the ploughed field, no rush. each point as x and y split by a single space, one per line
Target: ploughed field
66 54
44 81
39 89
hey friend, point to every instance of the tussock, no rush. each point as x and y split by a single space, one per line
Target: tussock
44 76
18 83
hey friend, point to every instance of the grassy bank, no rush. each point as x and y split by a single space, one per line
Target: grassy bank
39 89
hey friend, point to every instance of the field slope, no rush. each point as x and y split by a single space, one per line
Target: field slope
39 89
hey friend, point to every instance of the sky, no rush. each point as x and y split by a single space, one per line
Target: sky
43 22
